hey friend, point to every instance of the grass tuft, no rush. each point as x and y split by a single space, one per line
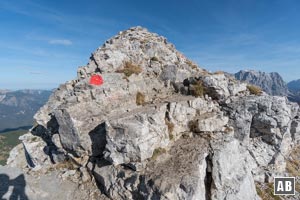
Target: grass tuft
157 152
193 125
254 89
228 129
293 165
218 72
140 99
197 89
170 126
191 64
129 69
266 191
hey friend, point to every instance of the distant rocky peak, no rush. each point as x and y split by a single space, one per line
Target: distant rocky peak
294 86
272 83
136 46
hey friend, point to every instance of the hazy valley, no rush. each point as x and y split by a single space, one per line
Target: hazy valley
18 107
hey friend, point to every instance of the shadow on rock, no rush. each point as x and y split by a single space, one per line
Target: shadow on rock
18 184
98 139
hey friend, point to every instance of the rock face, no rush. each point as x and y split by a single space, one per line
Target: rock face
272 83
159 127
265 125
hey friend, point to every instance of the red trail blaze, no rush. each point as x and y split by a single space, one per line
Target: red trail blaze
96 80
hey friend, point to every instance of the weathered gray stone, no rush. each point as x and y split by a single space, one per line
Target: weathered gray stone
26 186
180 173
210 122
221 87
266 126
232 178
184 110
34 151
295 130
134 138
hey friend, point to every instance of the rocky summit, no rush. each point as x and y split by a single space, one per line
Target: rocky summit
159 127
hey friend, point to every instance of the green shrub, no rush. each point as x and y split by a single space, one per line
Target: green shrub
254 89
129 69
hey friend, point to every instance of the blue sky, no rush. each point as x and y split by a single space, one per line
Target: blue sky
43 42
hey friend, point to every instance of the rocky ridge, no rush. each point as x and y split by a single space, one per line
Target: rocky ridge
159 127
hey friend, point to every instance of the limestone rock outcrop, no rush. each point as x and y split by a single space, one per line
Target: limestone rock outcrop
159 127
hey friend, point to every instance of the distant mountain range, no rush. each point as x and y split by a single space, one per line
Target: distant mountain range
294 86
18 107
271 83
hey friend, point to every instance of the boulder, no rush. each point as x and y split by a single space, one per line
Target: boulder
134 138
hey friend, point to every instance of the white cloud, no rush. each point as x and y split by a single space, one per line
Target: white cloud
61 42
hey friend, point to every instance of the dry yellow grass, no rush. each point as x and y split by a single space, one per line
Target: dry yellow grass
129 69
266 191
157 152
293 164
170 126
191 64
197 89
205 72
193 125
67 164
140 98
228 129
254 89
219 72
